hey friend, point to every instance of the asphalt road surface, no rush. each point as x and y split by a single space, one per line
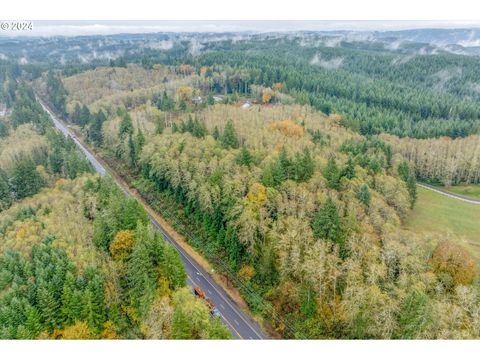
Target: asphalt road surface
241 325
449 194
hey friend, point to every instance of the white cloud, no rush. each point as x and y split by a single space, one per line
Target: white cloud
75 28
394 45
160 45
473 40
331 64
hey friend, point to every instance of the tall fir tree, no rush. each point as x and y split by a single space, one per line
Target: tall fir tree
126 125
332 174
6 196
141 278
33 321
348 170
26 180
216 133
304 166
410 181
48 305
95 133
173 268
85 116
326 223
363 195
66 299
229 137
244 157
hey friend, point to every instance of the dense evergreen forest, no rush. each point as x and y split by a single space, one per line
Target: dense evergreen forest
399 87
422 97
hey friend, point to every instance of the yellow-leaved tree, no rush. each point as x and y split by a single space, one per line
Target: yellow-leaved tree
184 93
77 331
122 245
267 95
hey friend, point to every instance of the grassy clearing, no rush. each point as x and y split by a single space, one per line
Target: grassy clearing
471 191
435 213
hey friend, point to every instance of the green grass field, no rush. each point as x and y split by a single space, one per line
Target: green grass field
435 213
472 191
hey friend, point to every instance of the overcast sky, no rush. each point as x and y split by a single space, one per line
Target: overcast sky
75 28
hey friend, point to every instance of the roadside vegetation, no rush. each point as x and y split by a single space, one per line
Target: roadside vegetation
471 191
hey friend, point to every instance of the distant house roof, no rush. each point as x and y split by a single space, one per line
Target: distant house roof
3 111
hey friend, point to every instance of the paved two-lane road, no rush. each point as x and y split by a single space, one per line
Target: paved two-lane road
449 194
240 324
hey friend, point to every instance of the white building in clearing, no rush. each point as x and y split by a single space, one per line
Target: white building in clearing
247 105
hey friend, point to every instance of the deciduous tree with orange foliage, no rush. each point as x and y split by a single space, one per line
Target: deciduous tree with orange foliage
288 128
278 86
452 264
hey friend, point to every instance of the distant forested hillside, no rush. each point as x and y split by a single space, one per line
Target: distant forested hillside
411 95
378 82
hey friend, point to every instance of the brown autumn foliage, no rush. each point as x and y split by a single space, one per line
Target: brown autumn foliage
288 128
453 260
277 86
185 69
